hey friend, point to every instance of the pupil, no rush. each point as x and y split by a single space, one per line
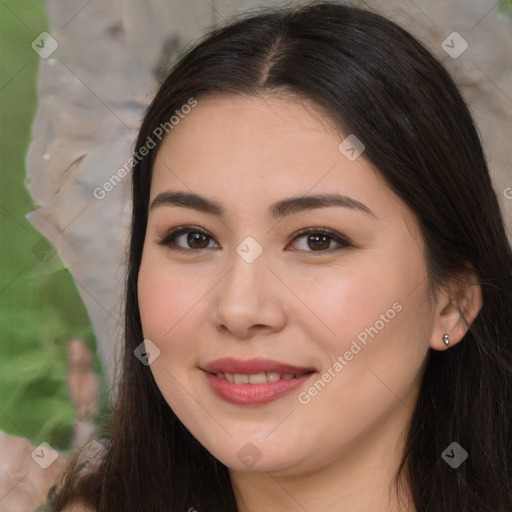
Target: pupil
318 241
192 238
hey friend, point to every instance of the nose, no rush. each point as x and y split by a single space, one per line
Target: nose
249 300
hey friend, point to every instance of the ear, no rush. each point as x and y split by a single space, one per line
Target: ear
458 302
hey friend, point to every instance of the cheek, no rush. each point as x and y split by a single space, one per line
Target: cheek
343 303
375 311
373 333
168 300
165 292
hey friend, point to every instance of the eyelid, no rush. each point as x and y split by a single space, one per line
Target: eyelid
171 235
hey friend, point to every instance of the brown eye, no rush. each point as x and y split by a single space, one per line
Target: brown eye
197 240
187 238
317 240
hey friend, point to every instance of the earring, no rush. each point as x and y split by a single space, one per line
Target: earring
446 339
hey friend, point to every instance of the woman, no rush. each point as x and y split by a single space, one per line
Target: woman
320 272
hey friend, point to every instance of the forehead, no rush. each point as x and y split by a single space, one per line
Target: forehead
260 149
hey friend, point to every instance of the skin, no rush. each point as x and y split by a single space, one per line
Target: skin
339 451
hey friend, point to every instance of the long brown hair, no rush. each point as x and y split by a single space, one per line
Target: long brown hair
377 82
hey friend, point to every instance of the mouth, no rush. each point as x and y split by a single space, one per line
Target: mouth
257 378
254 382
255 366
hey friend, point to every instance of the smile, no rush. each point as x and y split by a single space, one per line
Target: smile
253 382
255 378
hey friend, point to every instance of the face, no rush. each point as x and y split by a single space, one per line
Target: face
285 286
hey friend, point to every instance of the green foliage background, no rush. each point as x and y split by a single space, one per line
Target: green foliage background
40 309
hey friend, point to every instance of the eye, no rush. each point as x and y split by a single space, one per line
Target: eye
187 238
319 240
192 238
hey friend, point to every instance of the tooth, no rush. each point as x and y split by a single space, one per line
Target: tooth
257 378
220 375
287 376
241 378
229 377
273 376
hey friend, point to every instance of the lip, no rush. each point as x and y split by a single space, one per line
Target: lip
253 394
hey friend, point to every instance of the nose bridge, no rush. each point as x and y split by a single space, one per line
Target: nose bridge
245 283
247 296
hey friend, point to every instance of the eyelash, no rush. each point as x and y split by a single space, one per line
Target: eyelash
169 240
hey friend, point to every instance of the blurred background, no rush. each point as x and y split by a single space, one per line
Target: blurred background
75 78
40 309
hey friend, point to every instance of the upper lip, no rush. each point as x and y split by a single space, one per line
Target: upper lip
252 366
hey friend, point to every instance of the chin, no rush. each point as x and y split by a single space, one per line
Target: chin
257 457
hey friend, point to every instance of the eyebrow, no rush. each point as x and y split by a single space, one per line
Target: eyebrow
281 208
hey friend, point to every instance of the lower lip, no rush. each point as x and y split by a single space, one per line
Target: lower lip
253 394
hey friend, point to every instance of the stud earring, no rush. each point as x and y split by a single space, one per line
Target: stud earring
446 339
